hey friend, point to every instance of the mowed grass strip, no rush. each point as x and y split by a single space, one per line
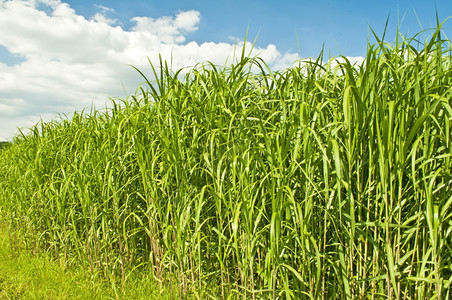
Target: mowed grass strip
26 275
322 181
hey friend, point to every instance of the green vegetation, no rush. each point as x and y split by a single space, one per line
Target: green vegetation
26 275
318 182
3 144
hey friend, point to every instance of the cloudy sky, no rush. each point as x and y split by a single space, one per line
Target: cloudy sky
60 56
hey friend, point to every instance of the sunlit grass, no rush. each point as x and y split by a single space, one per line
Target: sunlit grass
322 181
27 276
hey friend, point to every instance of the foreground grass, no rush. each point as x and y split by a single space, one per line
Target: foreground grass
24 275
323 181
27 276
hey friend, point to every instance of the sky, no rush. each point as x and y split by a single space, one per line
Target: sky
57 56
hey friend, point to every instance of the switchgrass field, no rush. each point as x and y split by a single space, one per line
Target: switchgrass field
322 181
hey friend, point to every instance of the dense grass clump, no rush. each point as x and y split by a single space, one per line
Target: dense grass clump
3 144
317 182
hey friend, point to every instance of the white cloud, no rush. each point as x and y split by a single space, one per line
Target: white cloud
168 30
72 62
104 9
355 61
187 20
285 61
11 106
102 17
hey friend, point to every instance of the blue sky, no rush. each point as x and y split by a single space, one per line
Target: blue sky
341 26
59 56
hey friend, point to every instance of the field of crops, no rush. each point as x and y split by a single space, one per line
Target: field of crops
322 181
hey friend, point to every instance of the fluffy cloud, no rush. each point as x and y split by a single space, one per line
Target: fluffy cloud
168 30
71 62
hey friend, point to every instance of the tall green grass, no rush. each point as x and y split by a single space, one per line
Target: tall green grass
322 181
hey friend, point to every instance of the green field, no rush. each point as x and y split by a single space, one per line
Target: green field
322 181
